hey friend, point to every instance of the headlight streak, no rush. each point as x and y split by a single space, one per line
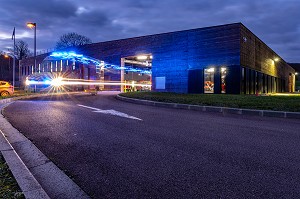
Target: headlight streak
57 82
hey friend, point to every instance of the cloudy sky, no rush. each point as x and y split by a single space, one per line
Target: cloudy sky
276 22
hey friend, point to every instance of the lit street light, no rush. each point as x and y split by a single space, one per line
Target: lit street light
33 25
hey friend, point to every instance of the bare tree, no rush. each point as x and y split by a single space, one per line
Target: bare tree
72 39
22 50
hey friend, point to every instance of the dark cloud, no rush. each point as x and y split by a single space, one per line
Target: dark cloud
94 18
40 9
276 22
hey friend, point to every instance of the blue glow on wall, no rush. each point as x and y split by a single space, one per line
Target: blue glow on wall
76 57
98 63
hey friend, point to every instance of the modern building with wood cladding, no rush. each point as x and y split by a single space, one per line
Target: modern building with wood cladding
220 59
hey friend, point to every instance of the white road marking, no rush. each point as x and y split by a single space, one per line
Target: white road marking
110 112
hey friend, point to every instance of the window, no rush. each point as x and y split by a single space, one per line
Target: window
256 82
160 82
243 81
223 80
61 65
209 80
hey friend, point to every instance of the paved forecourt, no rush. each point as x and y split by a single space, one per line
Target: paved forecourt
115 149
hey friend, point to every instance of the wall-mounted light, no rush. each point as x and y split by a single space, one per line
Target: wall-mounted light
210 70
142 57
276 59
296 73
223 69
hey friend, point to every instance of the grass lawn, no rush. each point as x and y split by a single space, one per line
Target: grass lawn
16 94
273 102
8 185
19 93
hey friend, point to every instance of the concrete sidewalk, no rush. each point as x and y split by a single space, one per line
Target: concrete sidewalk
37 176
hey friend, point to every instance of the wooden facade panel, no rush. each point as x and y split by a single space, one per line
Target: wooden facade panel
256 55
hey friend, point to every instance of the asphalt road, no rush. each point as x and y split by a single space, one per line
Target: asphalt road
115 149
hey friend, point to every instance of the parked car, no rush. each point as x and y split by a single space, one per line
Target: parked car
6 89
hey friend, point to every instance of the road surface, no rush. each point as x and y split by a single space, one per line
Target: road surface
116 149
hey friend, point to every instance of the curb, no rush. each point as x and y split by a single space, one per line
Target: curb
239 111
28 184
37 176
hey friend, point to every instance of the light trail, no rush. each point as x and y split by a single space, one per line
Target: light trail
102 83
67 82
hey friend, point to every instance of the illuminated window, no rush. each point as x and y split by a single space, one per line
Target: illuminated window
209 80
223 80
51 66
39 68
55 66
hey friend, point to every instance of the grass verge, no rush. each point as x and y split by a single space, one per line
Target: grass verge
8 185
274 102
17 94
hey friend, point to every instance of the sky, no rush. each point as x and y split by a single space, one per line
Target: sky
276 22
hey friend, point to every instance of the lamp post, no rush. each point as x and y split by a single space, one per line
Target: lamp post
33 25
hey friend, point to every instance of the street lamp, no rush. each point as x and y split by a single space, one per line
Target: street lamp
33 25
